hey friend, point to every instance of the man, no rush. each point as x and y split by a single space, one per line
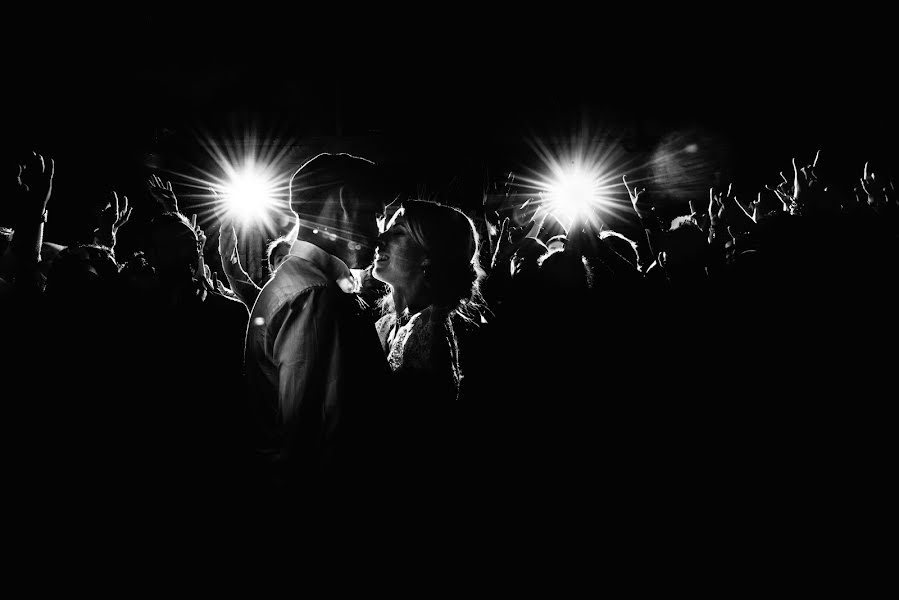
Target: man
313 363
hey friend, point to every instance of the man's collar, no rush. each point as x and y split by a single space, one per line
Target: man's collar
332 266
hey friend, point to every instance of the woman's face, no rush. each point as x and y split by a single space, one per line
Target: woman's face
398 257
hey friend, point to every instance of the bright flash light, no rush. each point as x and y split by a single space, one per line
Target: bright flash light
249 194
578 179
248 180
573 191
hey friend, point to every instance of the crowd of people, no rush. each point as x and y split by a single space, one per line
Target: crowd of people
493 360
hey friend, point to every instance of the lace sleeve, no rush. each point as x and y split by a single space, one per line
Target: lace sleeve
429 354
383 327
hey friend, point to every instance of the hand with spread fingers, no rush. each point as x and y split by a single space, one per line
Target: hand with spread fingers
767 204
726 211
112 217
162 194
879 194
641 202
804 193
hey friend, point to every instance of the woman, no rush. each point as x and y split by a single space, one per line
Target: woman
429 258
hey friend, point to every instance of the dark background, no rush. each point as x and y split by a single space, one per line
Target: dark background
447 96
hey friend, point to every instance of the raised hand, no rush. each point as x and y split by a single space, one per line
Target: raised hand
35 182
201 237
879 194
726 211
510 237
227 237
220 287
112 217
639 200
804 190
783 191
504 245
29 213
700 218
161 192
804 179
767 204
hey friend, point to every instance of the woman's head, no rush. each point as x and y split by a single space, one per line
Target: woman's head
431 247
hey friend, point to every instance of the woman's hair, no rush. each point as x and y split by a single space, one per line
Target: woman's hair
450 242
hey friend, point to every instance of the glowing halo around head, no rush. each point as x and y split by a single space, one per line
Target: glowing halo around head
249 194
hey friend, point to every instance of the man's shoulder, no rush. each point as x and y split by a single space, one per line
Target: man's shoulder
294 278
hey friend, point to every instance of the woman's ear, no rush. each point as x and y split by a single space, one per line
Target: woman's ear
661 259
425 266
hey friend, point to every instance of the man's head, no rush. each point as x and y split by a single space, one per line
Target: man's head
622 245
556 242
684 251
173 247
276 252
340 202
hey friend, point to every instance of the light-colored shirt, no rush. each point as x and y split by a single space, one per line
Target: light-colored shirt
308 356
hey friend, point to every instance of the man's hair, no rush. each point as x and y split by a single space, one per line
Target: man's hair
321 179
281 242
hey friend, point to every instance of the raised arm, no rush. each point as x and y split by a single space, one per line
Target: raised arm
238 279
650 229
34 187
162 195
112 217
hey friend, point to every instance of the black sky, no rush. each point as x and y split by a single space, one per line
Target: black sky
97 89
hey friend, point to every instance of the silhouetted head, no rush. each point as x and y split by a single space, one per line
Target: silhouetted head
684 253
622 245
433 247
340 201
172 248
565 271
84 272
556 242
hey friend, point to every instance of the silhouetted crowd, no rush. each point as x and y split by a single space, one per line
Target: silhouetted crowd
625 364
